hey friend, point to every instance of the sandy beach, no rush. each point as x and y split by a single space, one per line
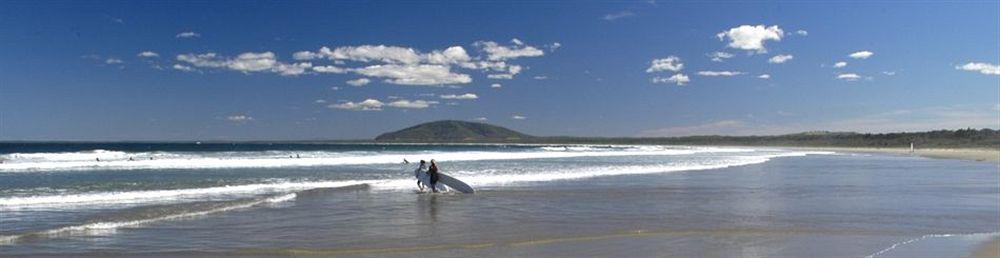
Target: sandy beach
990 155
990 249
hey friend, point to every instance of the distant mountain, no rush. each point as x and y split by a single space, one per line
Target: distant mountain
453 131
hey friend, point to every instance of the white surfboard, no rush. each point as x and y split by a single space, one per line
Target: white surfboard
444 182
456 184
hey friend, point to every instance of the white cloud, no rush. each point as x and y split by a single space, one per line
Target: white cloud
501 76
719 73
463 96
848 76
518 117
480 119
802 33
415 74
747 37
451 55
540 77
239 118
516 41
368 53
185 68
147 54
188 34
292 69
246 63
554 46
359 82
889 73
780 59
671 63
366 105
415 104
679 79
840 65
253 62
320 101
113 61
720 56
764 76
618 15
496 52
984 68
865 54
495 85
328 69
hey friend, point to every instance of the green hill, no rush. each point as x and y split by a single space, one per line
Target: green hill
452 131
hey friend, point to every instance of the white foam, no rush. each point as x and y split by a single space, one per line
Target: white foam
110 226
312 159
166 195
577 173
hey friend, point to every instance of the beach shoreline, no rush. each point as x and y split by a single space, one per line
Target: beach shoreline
973 154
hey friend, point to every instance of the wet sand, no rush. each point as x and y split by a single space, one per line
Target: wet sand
990 155
990 249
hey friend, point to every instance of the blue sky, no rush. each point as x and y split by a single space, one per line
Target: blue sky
162 70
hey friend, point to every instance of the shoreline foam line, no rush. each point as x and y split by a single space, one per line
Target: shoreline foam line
137 196
272 160
103 227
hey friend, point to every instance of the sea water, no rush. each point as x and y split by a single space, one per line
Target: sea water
532 200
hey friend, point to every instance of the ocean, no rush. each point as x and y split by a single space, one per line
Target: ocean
259 199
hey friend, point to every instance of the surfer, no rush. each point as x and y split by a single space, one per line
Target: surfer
433 173
416 173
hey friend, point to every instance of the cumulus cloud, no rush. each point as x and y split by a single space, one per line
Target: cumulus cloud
719 73
148 54
518 117
328 69
764 76
671 63
618 15
184 68
463 96
188 34
239 118
366 105
848 76
680 79
747 37
495 85
780 59
720 56
864 54
840 65
497 52
359 82
802 33
415 74
983 68
248 62
414 104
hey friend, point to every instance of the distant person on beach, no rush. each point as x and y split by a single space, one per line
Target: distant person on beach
433 173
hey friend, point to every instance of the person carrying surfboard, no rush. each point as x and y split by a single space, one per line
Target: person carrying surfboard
420 170
433 173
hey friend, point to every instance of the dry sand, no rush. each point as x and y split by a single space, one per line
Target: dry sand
990 155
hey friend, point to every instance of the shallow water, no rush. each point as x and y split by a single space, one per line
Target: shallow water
531 201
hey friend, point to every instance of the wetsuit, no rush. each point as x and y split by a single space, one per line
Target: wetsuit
433 172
